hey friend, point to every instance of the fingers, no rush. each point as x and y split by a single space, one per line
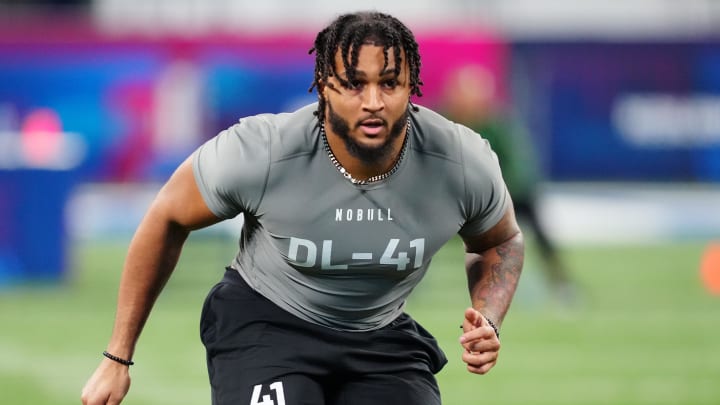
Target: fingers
480 363
90 399
480 343
486 343
481 355
104 399
92 396
471 321
107 386
475 328
473 318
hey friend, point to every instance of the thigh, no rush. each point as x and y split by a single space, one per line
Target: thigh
250 360
286 389
407 388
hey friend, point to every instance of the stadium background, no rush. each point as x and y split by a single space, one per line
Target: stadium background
99 101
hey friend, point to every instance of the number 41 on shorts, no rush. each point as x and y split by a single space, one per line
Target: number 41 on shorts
276 388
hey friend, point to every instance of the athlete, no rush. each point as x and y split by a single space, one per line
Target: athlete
345 202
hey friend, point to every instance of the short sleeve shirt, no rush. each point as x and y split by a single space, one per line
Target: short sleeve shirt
335 253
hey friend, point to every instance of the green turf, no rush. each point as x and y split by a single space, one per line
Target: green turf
642 331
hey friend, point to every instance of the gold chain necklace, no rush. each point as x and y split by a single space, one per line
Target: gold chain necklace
372 179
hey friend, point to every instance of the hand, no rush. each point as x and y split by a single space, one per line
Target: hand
481 345
108 385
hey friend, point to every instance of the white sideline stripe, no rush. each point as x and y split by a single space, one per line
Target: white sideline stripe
572 213
632 213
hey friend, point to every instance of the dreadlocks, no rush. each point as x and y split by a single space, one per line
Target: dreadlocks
348 33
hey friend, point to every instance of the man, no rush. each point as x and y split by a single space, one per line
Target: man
345 203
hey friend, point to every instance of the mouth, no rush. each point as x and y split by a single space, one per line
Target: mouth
372 126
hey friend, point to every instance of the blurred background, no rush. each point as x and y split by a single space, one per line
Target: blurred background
605 116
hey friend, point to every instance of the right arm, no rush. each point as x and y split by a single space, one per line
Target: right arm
154 251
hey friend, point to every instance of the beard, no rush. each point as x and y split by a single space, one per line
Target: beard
371 155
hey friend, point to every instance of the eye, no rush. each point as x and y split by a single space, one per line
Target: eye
351 84
390 83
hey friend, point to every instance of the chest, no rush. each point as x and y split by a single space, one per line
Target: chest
340 228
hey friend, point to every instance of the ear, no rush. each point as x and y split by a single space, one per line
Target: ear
322 89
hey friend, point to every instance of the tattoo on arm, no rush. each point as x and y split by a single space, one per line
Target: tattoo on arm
494 276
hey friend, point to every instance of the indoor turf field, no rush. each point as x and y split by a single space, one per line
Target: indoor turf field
641 329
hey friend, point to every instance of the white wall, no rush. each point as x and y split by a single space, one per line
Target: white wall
517 18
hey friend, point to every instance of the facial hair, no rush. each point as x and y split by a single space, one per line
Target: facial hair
368 155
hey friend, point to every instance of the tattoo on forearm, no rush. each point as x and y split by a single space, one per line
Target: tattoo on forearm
494 278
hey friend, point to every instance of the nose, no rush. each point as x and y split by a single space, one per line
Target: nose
372 99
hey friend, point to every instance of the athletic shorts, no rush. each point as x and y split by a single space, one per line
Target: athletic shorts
259 354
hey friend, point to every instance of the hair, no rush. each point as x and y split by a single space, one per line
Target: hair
348 33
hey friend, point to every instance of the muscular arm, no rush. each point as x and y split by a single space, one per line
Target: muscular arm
493 263
153 253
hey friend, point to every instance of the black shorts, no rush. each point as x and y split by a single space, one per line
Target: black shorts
259 354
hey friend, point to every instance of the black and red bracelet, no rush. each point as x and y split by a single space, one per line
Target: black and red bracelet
118 359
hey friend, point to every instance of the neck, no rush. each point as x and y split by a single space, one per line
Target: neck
359 169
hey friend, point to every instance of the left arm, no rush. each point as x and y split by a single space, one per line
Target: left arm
493 263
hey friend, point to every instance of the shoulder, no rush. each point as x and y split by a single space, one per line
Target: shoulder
439 136
255 142
232 169
457 145
281 133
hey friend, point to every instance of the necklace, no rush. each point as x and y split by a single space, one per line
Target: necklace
372 179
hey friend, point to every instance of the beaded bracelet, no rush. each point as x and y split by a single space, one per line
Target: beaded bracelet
492 325
118 359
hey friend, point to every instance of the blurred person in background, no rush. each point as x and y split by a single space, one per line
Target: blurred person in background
345 202
471 97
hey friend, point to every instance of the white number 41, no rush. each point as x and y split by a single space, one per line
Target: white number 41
276 387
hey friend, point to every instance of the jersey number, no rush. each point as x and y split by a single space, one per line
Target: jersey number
276 387
400 259
305 253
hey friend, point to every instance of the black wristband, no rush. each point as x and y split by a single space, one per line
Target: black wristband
118 359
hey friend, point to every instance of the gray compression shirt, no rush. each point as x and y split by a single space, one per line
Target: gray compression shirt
331 252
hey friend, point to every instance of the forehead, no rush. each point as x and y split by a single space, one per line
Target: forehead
369 52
